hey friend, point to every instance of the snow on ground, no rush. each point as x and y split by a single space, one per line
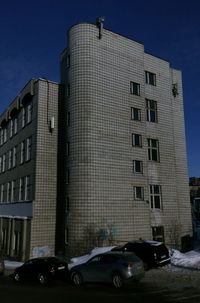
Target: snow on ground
189 259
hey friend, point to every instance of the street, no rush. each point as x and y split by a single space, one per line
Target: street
159 285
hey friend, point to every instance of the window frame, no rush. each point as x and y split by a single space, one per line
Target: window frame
150 78
135 117
154 195
151 111
134 140
134 88
136 197
152 150
135 171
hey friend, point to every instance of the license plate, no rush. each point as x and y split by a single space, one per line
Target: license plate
61 267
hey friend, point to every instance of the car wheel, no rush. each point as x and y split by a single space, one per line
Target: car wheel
77 278
42 279
16 277
117 280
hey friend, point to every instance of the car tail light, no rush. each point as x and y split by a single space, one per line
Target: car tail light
52 269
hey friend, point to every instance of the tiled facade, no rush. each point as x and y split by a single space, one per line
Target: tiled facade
99 158
28 178
127 162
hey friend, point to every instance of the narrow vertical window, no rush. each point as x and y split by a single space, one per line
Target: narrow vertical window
11 128
138 193
10 159
155 196
29 113
135 114
135 88
150 78
151 110
15 126
13 189
8 192
2 192
4 163
21 189
23 117
22 152
14 159
28 149
153 150
27 188
137 166
137 140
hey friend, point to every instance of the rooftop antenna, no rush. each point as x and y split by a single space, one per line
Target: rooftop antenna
99 24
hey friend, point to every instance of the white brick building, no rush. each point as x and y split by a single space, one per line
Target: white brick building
126 166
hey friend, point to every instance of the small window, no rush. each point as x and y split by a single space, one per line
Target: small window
68 61
137 166
134 88
138 193
137 140
135 114
150 78
151 110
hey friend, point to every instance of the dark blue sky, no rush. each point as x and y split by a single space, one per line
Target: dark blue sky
33 34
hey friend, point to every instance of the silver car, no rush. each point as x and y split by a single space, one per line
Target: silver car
117 268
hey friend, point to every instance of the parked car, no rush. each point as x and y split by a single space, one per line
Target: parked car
112 267
82 259
152 253
42 270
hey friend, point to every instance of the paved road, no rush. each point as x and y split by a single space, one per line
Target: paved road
158 286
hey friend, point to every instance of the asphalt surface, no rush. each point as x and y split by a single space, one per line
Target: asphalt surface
169 284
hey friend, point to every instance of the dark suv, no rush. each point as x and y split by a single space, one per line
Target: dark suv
152 253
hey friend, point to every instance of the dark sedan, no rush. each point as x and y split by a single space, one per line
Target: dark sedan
42 270
111 267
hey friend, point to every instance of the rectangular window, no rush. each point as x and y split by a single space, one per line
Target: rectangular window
14 159
29 113
28 149
138 193
22 153
27 188
0 165
1 137
153 150
5 135
135 114
155 196
15 126
137 140
68 149
151 110
158 233
135 88
137 166
13 190
21 189
150 78
23 117
8 192
11 128
2 192
10 159
4 163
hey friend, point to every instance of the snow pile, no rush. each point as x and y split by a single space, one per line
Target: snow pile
190 259
12 264
82 259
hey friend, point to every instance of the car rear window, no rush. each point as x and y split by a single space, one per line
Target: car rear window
131 258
